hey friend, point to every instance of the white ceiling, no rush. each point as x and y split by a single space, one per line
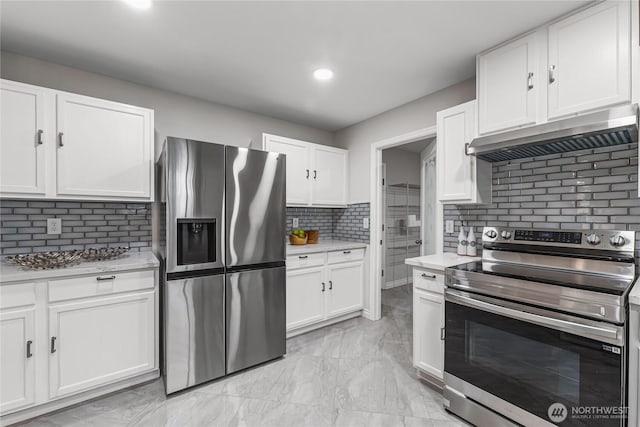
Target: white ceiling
259 56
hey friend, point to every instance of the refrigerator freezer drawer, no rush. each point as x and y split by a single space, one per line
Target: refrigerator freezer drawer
194 331
256 317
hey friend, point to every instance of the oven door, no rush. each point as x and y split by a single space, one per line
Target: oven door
520 360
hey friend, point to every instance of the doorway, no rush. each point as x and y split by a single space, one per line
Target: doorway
434 236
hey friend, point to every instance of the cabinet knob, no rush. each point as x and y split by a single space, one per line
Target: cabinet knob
303 257
29 353
53 345
428 276
60 141
552 78
330 285
323 286
466 149
101 278
315 174
39 137
530 81
307 173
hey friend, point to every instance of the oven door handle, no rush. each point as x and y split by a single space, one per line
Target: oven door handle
600 332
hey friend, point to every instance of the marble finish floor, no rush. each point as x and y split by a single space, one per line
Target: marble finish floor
356 373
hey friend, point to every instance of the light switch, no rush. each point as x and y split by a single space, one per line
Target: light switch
449 226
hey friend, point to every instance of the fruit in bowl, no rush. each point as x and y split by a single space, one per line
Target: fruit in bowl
298 237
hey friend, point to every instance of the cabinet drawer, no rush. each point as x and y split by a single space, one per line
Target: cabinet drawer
305 260
17 295
428 280
103 284
345 255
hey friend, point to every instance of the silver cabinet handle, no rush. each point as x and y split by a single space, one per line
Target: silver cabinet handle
315 174
552 78
60 141
428 276
307 173
466 149
53 345
346 252
530 81
39 137
323 286
330 285
101 278
303 257
29 353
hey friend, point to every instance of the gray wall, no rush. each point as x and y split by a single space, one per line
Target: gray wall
175 114
84 225
580 190
415 115
402 166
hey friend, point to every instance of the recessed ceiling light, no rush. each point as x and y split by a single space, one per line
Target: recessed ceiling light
323 74
139 4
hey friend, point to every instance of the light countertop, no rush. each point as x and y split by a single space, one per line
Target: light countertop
440 261
634 295
323 246
10 272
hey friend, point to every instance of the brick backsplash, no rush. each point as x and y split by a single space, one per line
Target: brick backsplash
84 225
579 190
333 223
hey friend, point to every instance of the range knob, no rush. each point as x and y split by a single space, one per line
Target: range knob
617 240
491 234
593 239
506 234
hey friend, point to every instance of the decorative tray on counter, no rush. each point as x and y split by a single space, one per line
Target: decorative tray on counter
58 259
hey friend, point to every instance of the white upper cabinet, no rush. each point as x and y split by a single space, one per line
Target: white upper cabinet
58 145
507 86
22 132
104 148
298 167
461 178
589 59
574 65
329 176
316 174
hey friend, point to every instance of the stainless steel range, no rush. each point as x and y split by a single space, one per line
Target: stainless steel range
536 331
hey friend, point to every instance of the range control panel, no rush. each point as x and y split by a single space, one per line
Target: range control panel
572 237
618 240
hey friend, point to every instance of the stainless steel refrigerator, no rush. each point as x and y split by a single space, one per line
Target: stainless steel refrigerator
220 227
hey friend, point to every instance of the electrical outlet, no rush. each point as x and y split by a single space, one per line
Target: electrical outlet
54 226
365 222
449 226
296 224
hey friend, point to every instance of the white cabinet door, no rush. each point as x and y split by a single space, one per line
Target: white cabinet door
329 174
344 284
298 167
305 298
98 341
589 59
17 365
104 148
428 321
23 139
457 175
507 86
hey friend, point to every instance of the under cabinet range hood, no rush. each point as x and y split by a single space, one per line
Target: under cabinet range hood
618 125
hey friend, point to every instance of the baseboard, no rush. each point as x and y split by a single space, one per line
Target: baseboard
309 328
435 383
395 283
82 397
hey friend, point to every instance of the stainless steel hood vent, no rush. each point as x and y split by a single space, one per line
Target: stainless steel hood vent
606 128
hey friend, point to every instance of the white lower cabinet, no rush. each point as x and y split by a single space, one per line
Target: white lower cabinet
100 340
17 365
323 287
428 324
69 339
305 299
345 288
